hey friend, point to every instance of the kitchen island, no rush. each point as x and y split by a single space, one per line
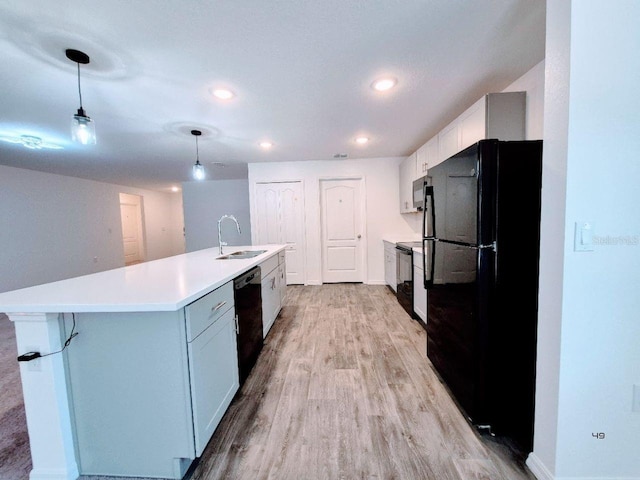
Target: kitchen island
120 399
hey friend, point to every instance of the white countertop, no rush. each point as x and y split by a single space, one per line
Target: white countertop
167 284
399 239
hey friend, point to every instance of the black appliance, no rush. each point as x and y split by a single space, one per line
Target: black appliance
248 302
418 191
481 242
404 275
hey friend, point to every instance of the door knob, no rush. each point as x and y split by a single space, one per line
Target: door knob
359 236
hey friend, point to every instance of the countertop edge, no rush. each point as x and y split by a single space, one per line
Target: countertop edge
23 307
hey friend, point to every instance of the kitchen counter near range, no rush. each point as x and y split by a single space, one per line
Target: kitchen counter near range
400 238
167 284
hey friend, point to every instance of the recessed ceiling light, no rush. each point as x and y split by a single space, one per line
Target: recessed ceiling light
175 189
362 140
266 145
222 93
384 84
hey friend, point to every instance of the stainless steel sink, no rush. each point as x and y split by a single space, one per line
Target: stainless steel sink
241 254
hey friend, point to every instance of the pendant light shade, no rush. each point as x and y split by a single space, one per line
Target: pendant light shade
83 129
198 168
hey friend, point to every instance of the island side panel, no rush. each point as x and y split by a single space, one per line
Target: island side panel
46 402
129 382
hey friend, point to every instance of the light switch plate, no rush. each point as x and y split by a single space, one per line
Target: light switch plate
583 237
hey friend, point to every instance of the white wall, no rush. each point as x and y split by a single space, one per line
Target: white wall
532 82
52 226
204 204
382 204
589 333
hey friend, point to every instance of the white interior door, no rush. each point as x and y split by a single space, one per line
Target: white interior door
132 235
279 219
342 229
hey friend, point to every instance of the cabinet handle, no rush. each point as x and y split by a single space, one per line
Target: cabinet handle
273 283
219 306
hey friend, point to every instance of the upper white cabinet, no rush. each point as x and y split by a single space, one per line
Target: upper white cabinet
407 176
426 156
496 115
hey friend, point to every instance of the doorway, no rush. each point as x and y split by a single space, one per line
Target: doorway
343 230
132 231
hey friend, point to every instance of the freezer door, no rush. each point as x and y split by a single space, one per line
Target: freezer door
463 196
454 197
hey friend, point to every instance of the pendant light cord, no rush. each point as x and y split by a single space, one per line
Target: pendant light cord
197 152
79 90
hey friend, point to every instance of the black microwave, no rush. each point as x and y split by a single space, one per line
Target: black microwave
418 191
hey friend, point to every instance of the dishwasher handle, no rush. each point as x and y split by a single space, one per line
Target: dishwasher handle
252 276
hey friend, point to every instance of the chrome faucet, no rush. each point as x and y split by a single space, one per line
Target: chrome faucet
220 242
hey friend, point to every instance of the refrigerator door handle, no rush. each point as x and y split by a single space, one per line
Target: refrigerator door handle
428 280
429 208
492 246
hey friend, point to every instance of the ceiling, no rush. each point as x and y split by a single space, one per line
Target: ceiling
301 72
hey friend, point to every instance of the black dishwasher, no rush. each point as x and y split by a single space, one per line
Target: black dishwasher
248 300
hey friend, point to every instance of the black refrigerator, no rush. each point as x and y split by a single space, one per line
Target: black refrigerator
481 243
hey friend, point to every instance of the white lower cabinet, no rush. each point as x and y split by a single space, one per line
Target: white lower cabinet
213 370
148 389
419 292
390 275
282 271
274 288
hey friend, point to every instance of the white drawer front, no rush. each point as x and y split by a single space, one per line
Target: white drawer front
206 310
268 265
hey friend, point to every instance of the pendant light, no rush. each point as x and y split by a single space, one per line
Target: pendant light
198 169
83 129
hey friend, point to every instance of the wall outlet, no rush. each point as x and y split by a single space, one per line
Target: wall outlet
635 407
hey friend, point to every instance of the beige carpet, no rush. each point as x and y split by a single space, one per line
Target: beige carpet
15 458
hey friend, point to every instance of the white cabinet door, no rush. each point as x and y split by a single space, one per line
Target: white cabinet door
419 292
279 219
270 300
473 124
422 161
390 276
282 283
431 153
449 141
213 370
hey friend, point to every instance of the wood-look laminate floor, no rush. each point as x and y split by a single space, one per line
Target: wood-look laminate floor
343 390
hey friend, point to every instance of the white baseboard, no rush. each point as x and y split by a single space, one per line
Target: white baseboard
54 474
538 468
376 282
541 472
